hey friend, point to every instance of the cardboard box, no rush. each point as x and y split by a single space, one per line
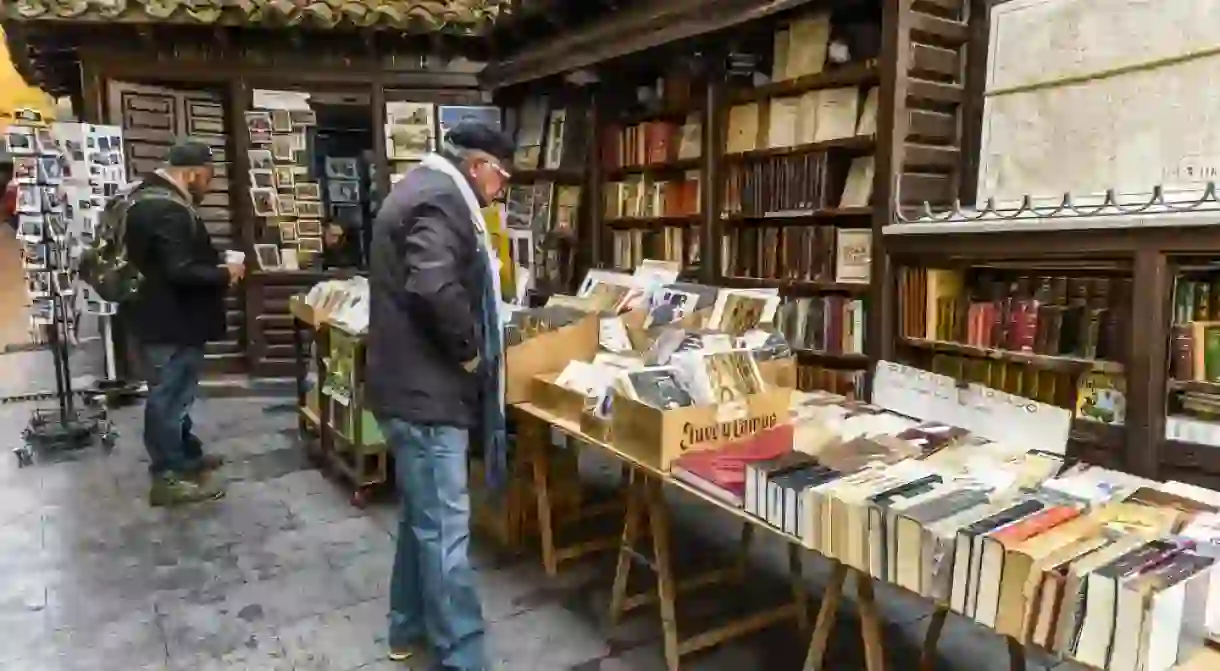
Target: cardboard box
597 428
556 400
547 353
658 437
779 372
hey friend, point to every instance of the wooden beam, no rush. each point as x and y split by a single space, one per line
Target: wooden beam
633 30
1147 355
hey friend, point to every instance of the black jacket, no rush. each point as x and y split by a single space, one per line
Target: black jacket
181 300
425 285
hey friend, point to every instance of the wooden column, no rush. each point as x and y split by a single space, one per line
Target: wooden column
712 188
377 102
595 239
979 27
892 124
1147 359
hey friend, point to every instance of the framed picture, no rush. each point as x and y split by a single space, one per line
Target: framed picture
287 205
260 159
348 215
303 118
29 199
268 256
25 169
309 208
309 228
306 191
262 179
46 142
34 256
281 121
61 282
264 201
288 232
20 141
341 168
58 224
30 227
52 199
343 191
311 245
284 177
258 124
282 149
407 143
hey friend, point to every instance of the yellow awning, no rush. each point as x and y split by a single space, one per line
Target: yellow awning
15 94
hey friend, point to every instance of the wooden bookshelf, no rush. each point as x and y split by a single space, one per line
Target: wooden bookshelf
612 174
1063 364
856 143
568 176
852 74
796 288
846 217
654 222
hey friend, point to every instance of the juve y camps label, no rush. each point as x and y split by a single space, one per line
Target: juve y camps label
696 434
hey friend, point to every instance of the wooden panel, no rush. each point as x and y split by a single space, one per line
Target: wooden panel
153 119
920 187
935 61
920 157
928 125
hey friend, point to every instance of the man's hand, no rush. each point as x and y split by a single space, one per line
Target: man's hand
471 365
236 272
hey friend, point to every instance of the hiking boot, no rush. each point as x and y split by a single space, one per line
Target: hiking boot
171 490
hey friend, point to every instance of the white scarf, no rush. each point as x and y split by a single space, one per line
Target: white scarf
442 164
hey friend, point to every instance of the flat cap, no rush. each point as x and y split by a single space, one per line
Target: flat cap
481 137
189 154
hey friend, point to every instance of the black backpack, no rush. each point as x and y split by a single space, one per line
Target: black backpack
104 264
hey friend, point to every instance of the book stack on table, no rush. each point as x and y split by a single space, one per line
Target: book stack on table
1101 567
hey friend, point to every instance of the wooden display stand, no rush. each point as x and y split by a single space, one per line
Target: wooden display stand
348 441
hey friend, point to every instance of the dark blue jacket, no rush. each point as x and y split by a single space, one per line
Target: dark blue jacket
425 285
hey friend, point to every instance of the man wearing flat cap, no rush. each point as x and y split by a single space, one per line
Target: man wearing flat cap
435 381
179 307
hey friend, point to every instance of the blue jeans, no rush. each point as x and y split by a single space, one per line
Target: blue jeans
432 592
173 381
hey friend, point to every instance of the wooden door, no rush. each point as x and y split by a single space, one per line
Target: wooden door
153 118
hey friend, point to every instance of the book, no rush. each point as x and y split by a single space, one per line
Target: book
832 324
853 255
656 386
722 473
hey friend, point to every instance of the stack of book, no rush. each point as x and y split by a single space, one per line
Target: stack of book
831 324
813 253
849 383
641 197
1081 317
1110 570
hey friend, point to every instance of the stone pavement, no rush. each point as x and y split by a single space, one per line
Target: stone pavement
284 574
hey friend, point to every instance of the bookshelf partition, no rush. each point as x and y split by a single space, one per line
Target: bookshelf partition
1155 369
763 146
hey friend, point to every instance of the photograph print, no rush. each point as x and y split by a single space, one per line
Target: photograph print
260 159
342 191
262 179
341 168
259 126
264 201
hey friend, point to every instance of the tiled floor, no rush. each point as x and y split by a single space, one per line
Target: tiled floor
284 574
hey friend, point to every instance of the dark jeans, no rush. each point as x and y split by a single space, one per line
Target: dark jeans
173 381
432 592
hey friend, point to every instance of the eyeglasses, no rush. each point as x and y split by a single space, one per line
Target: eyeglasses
500 169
